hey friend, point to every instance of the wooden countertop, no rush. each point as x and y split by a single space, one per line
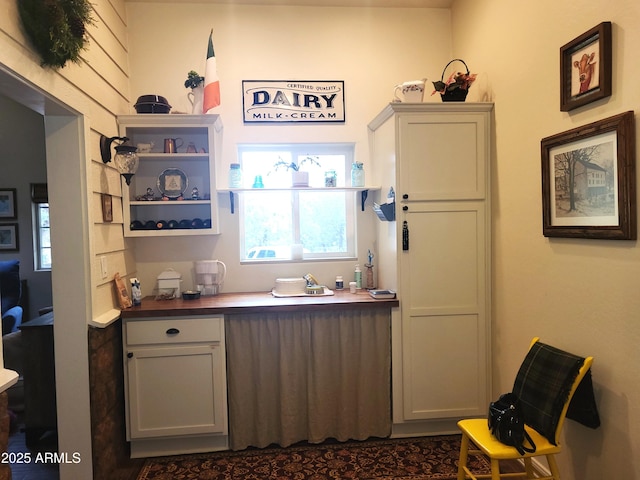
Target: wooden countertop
254 302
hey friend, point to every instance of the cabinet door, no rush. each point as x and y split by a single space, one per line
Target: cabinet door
442 156
444 311
176 391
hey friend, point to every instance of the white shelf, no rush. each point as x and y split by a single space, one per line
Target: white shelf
306 189
204 132
168 203
364 191
172 156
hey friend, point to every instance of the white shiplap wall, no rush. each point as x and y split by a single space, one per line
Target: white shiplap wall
95 91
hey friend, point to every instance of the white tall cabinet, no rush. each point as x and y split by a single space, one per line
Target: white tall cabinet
437 256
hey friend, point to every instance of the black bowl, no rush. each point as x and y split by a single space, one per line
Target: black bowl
190 295
152 104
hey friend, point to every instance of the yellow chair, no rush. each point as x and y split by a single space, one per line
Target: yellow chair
547 380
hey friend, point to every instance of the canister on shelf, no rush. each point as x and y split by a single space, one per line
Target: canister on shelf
235 176
330 178
357 174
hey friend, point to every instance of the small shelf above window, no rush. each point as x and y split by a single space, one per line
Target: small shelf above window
364 192
173 156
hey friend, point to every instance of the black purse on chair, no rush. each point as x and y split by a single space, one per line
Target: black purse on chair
506 423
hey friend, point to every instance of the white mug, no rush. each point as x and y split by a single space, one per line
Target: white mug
412 92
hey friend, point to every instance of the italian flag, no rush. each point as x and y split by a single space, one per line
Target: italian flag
211 82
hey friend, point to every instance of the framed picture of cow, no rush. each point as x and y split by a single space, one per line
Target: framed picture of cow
589 181
585 68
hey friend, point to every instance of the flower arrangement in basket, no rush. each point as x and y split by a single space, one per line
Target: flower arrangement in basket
457 86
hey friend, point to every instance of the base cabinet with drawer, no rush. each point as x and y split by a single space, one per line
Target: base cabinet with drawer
175 385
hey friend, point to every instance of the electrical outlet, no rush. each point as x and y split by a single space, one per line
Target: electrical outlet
103 267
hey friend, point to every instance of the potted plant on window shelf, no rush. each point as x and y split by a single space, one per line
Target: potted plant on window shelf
299 178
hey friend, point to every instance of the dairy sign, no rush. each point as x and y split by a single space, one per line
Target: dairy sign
293 101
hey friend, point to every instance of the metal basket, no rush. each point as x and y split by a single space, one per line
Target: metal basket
457 94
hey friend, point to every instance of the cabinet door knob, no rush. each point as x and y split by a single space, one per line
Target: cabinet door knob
405 196
129 355
173 331
405 208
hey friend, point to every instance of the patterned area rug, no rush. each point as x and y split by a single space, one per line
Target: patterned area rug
423 458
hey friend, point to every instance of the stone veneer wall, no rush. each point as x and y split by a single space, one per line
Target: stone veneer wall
111 460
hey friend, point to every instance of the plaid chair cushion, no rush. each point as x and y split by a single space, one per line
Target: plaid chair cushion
543 384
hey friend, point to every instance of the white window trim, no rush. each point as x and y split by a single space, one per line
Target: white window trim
347 149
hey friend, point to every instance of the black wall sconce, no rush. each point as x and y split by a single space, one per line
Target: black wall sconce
125 159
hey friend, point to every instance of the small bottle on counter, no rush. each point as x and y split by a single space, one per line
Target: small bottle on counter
352 287
358 276
339 282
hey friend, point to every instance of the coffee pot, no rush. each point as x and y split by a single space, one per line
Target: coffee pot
412 91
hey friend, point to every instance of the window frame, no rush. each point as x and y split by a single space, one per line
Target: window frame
37 236
350 201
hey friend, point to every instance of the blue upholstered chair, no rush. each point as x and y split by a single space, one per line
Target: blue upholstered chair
10 292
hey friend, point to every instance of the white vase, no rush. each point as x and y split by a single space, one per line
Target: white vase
196 97
299 179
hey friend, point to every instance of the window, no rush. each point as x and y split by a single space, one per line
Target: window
41 226
275 217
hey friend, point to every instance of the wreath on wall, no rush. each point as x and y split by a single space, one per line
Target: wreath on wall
57 28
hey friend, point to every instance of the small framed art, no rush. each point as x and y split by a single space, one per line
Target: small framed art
9 237
107 207
585 68
8 204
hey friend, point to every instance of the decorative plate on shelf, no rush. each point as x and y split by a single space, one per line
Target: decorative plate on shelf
172 182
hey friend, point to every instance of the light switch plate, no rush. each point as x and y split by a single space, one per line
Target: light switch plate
103 266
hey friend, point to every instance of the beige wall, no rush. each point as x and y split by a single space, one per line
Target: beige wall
371 49
581 295
22 163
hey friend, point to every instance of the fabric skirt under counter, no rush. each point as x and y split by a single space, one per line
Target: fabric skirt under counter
308 376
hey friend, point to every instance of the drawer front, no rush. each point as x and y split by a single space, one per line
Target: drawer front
174 330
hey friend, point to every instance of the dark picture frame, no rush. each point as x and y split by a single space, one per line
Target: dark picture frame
9 237
585 68
589 181
8 209
107 207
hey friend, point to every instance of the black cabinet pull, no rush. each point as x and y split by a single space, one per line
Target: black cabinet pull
173 331
405 208
405 196
129 355
405 235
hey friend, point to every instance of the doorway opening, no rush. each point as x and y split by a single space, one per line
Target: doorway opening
66 178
